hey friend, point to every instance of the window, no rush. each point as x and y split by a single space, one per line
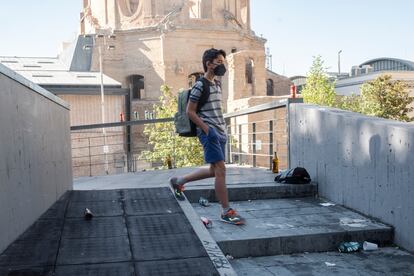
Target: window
201 9
137 86
42 76
244 12
86 77
153 8
249 71
195 9
269 87
206 9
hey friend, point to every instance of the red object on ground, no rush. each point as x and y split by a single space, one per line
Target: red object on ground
207 223
121 116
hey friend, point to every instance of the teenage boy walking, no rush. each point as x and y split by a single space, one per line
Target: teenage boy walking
211 131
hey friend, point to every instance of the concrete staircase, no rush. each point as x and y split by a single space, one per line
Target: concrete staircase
281 219
284 219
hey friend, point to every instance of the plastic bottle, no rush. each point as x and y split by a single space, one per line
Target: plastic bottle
275 164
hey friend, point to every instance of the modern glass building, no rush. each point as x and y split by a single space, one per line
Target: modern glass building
399 69
382 64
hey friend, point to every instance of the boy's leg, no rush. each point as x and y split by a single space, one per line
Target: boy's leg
177 183
198 175
218 170
220 184
228 214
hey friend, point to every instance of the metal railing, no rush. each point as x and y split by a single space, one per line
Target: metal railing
119 152
253 135
260 132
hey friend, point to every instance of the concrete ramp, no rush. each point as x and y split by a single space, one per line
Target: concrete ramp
133 232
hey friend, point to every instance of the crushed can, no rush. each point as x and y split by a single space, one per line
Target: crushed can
207 223
203 202
348 247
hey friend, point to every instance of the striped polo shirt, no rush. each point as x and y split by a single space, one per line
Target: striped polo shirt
211 113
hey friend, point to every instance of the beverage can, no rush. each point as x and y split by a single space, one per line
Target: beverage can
203 202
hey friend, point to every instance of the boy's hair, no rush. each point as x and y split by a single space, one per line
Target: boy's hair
210 55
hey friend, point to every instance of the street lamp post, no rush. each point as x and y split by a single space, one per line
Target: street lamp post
110 47
105 147
339 63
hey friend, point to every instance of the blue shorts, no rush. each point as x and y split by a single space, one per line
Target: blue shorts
214 145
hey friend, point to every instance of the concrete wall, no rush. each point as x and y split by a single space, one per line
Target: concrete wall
361 162
35 153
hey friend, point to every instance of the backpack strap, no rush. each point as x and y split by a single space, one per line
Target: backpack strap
205 94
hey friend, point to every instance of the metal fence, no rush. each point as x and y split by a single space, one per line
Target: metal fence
254 134
111 148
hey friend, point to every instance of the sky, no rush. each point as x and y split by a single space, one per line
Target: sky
296 30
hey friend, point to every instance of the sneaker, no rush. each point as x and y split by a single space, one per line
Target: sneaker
232 217
177 189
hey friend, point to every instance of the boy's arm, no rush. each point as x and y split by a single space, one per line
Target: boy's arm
192 114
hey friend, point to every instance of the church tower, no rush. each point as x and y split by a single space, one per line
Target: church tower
124 15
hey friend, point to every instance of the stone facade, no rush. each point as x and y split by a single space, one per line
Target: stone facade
277 85
160 42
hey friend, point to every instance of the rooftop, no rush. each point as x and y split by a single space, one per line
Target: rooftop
52 71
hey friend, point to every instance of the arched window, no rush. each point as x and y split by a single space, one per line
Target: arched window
195 8
269 88
137 86
244 12
249 71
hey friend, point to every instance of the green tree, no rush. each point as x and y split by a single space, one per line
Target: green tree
165 143
351 103
385 98
318 89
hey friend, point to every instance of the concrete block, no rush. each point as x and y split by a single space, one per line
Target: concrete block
362 162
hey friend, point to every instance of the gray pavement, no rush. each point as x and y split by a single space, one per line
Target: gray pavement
384 262
236 175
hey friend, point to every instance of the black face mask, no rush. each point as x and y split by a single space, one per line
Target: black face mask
220 70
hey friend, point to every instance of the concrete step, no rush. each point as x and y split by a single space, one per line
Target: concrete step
385 261
251 191
286 226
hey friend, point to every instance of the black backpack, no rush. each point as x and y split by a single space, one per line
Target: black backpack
297 175
183 125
